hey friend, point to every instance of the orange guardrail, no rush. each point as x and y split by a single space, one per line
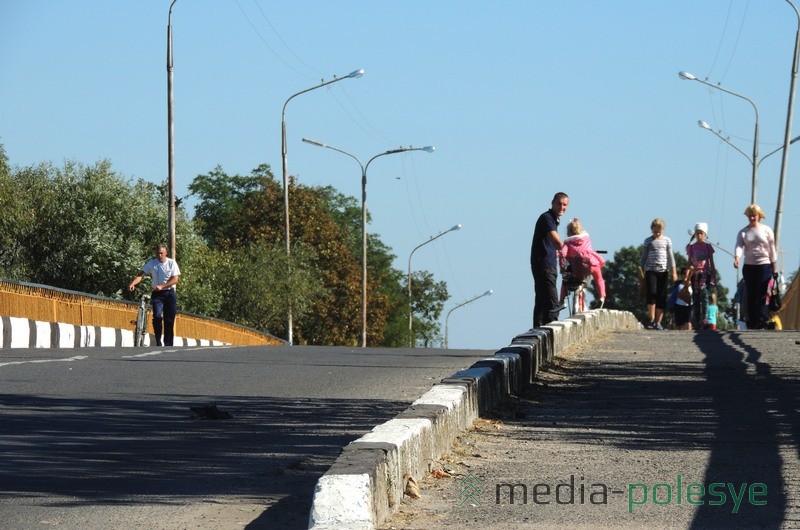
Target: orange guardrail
49 304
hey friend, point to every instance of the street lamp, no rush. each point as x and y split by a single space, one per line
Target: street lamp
704 125
170 141
786 142
427 149
352 75
754 160
410 319
447 318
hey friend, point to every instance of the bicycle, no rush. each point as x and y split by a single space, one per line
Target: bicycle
576 288
140 322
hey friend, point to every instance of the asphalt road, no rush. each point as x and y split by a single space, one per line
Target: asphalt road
106 438
636 429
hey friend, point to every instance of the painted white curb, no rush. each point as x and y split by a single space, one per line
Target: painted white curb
421 434
25 333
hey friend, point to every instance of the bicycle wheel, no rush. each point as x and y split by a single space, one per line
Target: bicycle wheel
141 325
576 298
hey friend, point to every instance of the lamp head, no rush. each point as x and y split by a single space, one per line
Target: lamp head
488 293
703 124
687 76
355 74
312 142
457 227
429 149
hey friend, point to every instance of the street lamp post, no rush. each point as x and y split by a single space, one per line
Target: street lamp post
352 75
754 160
786 142
447 318
410 312
170 141
704 125
364 167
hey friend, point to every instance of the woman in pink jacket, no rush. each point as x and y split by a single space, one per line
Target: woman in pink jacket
583 260
756 243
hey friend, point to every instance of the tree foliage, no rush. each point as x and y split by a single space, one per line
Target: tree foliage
325 229
89 229
428 298
77 227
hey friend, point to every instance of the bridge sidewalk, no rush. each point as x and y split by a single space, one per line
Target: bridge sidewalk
655 429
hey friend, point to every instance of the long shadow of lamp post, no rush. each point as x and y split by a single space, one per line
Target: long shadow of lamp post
364 167
410 306
351 75
690 77
462 304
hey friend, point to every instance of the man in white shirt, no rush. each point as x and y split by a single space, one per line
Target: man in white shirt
165 273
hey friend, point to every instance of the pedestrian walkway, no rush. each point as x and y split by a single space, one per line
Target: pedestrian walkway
636 429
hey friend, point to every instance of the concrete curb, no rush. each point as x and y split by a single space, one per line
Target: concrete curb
26 333
365 484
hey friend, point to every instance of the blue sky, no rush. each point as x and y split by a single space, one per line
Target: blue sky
520 98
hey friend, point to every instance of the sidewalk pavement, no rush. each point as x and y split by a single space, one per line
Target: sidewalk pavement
634 429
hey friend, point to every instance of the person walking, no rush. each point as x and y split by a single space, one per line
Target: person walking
711 316
544 262
164 273
657 260
701 258
756 244
680 301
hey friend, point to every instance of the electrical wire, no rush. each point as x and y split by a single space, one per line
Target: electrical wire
721 38
260 36
360 121
275 31
736 43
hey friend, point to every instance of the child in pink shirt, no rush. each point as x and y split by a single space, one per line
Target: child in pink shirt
583 260
701 258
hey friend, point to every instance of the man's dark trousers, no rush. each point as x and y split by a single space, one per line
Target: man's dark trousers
165 307
544 284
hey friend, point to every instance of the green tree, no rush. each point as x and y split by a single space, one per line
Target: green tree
621 275
224 214
78 227
249 285
237 211
88 228
427 300
15 220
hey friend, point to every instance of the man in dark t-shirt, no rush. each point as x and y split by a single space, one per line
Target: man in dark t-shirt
544 261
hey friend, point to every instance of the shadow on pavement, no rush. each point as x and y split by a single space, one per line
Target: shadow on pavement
106 451
750 405
728 403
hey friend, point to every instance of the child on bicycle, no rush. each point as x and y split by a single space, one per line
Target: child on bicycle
582 259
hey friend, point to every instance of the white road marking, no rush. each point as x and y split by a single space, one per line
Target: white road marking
183 349
76 358
148 354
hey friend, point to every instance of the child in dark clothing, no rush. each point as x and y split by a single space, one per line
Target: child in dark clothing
680 300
